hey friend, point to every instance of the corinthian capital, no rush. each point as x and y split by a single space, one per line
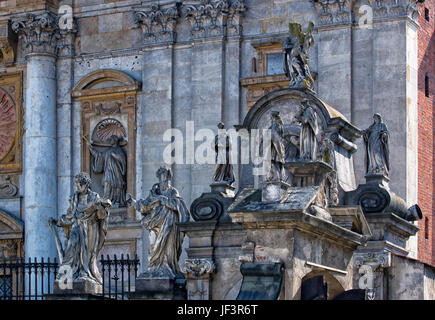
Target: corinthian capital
196 268
157 22
40 33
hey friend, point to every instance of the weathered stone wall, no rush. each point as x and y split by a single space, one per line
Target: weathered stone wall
405 279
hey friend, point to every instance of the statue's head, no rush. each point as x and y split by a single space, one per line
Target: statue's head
377 118
82 181
114 140
164 174
221 125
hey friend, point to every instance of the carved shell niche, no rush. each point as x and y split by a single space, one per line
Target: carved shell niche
107 128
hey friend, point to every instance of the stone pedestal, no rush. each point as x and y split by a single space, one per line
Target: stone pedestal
274 191
307 173
76 290
153 288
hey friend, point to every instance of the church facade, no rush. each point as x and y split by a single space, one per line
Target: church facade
104 87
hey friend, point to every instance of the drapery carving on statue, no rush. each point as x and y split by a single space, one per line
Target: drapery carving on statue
109 158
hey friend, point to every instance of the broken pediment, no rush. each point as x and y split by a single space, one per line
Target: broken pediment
10 227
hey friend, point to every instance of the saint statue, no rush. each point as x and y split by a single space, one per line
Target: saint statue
112 162
376 142
277 152
308 139
222 146
161 211
85 227
296 52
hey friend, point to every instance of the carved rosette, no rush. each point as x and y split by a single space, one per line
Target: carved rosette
158 23
198 268
39 33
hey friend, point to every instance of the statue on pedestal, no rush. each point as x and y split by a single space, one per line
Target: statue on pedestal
376 142
161 211
85 227
308 139
296 50
222 146
277 171
112 162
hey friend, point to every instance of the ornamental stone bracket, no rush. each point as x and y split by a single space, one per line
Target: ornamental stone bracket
158 22
8 43
198 273
8 189
339 12
215 18
370 265
41 34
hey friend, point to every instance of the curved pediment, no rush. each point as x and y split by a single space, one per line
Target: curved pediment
104 81
10 227
287 102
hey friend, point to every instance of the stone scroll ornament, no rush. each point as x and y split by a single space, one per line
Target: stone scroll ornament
296 52
85 228
162 210
377 151
222 146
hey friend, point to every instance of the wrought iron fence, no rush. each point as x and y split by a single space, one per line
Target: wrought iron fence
27 280
31 279
119 276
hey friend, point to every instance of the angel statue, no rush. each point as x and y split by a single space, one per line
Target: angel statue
85 227
296 52
376 142
162 210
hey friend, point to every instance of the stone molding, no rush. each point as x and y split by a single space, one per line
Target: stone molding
158 22
40 33
198 268
339 12
8 43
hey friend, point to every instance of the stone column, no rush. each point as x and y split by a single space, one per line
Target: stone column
39 35
198 273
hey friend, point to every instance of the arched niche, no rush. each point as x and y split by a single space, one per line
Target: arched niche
333 124
11 236
108 101
334 285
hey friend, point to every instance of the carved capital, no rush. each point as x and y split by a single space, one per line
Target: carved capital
208 18
40 33
373 259
333 12
196 268
158 22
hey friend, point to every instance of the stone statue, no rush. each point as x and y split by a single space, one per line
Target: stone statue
277 171
222 145
112 162
296 52
85 226
308 139
376 142
161 211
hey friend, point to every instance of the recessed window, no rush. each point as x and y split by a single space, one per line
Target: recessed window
275 63
426 14
426 85
426 228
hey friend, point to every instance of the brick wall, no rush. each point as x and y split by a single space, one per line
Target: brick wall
426 129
